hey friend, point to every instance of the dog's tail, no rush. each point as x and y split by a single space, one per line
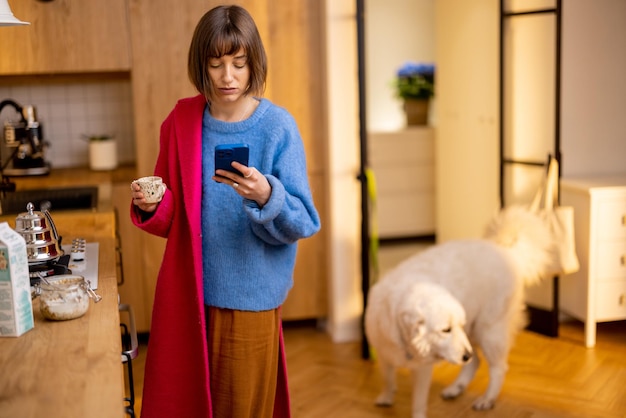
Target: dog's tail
526 238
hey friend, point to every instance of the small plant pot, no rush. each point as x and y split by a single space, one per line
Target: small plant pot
416 112
103 154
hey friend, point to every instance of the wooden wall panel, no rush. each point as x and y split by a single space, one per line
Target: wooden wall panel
297 68
66 36
309 296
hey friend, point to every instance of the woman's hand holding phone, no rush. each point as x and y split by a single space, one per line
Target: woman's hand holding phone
250 184
231 168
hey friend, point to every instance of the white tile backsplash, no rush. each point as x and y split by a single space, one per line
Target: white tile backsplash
67 111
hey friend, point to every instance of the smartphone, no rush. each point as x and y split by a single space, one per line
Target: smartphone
227 153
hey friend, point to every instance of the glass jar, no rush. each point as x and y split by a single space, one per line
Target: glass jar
64 297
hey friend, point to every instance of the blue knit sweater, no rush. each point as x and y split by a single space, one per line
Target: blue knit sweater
249 252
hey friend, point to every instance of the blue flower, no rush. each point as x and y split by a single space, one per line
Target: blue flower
415 81
410 69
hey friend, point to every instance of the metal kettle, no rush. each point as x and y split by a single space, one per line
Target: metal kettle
43 242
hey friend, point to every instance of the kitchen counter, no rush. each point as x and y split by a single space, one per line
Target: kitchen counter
69 368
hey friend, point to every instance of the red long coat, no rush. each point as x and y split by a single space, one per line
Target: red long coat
177 375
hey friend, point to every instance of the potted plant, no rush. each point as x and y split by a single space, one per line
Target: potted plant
415 84
102 152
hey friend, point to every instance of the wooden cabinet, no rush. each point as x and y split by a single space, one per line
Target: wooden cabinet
67 36
597 292
403 163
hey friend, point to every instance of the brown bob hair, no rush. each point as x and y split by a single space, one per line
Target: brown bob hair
224 30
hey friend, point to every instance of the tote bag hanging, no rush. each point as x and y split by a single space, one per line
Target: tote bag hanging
560 221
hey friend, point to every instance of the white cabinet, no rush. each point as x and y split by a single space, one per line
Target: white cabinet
597 292
403 163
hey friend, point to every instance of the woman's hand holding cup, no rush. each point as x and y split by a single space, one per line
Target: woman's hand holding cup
147 192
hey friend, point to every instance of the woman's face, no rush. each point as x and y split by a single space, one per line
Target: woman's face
230 75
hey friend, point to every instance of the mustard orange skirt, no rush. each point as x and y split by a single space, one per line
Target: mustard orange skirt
243 361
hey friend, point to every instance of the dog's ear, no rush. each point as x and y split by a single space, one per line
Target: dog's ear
412 327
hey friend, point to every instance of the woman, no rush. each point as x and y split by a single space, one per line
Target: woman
216 345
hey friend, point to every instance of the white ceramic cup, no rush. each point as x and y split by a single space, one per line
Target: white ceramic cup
152 188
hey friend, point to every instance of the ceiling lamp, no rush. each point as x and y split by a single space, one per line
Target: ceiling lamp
6 16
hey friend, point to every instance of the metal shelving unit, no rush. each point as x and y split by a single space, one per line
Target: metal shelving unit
541 320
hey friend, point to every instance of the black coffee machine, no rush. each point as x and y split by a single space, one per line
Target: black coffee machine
23 147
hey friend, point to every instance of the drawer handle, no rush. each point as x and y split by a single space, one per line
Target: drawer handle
621 300
623 260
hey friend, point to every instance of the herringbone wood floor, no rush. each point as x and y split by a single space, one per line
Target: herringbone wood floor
547 378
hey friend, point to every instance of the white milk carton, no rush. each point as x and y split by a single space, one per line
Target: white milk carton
16 307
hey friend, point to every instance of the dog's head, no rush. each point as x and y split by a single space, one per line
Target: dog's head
433 331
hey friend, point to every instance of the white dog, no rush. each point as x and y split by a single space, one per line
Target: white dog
433 304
